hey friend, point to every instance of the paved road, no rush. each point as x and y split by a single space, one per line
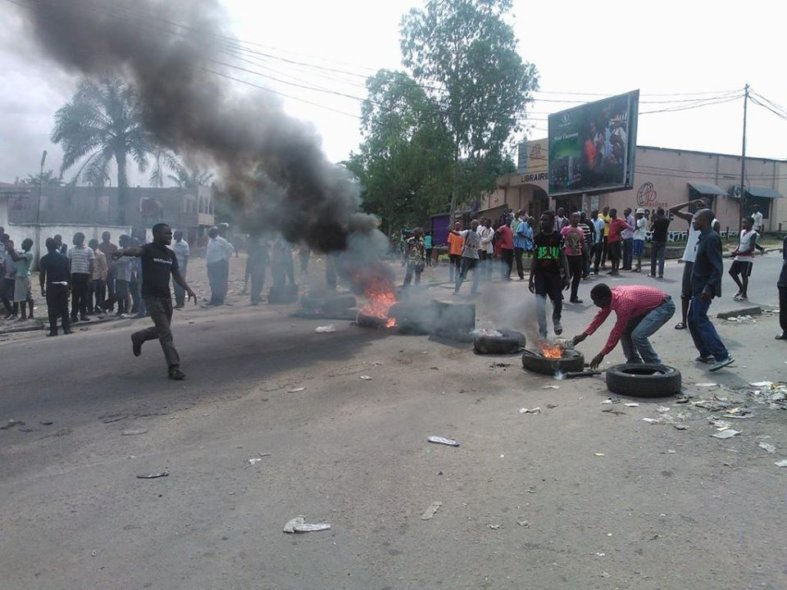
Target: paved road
570 498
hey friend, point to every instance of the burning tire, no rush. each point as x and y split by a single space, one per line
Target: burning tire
502 342
644 380
372 321
571 360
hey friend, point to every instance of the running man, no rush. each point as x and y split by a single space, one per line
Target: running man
545 275
158 263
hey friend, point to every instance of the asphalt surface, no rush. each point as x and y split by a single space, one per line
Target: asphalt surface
572 497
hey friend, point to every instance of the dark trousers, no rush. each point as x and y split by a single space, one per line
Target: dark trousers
428 257
468 264
180 292
412 269
97 296
137 302
109 301
122 296
257 276
218 274
7 294
486 262
57 307
454 265
80 294
520 268
575 266
783 309
628 250
160 309
657 253
604 250
703 332
508 262
598 249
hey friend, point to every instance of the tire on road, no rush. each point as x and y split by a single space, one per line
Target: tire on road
508 342
643 380
572 360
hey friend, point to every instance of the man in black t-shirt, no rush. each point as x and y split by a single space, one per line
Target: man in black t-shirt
658 243
158 263
545 275
55 278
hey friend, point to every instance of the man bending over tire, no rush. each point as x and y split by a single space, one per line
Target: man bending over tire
640 311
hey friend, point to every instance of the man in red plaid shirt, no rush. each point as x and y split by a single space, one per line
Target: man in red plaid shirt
640 312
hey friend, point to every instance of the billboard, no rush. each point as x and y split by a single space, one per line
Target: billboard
592 146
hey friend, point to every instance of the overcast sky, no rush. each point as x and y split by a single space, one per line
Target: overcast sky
676 53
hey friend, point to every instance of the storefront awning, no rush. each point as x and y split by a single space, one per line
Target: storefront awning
707 189
762 192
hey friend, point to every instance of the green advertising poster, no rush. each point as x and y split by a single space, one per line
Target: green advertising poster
592 147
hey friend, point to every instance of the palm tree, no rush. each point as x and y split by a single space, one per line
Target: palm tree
103 122
48 178
183 177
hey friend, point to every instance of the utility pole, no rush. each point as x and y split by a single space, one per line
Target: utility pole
743 158
38 209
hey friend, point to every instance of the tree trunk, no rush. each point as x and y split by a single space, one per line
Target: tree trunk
123 191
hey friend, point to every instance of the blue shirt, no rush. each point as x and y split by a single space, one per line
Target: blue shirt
708 266
523 238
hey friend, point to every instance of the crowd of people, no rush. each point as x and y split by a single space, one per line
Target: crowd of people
567 249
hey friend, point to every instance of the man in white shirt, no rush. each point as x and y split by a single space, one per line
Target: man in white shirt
81 260
487 250
627 235
757 223
218 260
743 260
598 238
640 226
182 253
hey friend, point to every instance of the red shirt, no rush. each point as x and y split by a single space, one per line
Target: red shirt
628 302
616 226
505 237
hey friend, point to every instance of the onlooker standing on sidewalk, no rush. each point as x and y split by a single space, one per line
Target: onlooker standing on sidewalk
598 239
638 242
614 241
705 285
588 232
23 295
55 279
123 278
182 252
158 264
628 239
743 260
486 236
428 248
758 223
545 275
606 219
218 260
82 261
455 246
658 242
640 312
523 242
108 249
7 285
782 286
574 247
96 301
256 266
505 237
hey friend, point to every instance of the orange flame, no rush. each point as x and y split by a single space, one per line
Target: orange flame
381 298
551 351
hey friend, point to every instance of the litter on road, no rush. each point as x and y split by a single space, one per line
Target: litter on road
632 405
134 432
494 527
782 463
298 525
430 512
440 440
366 377
530 410
729 433
296 390
767 447
662 409
154 475
325 329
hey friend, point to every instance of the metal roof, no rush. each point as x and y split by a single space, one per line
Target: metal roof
763 192
707 189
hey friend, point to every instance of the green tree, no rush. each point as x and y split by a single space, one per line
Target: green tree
405 156
102 123
48 178
182 176
464 53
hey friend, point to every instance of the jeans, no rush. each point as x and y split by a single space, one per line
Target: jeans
551 285
598 249
467 265
97 296
57 307
657 252
703 332
628 251
412 268
80 293
520 269
180 292
454 265
218 274
634 340
508 262
160 309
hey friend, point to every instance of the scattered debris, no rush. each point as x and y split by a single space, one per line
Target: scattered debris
494 527
154 475
11 423
296 390
599 454
551 406
767 447
719 424
632 405
298 525
706 384
366 377
613 411
493 365
551 387
681 426
536 410
439 440
134 432
112 418
762 384
430 512
255 460
523 523
662 409
782 463
724 434
325 329
651 420
46 423
599 554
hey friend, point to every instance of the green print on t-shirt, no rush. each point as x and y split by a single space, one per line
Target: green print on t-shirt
548 253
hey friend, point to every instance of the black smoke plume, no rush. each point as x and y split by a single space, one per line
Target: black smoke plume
175 52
